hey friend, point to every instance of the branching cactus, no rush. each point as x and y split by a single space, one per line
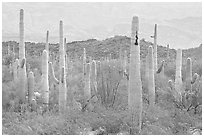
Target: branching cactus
31 83
135 85
178 77
45 81
22 72
151 82
188 74
62 84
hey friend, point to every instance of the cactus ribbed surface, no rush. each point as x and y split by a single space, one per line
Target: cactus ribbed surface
62 84
31 84
45 81
188 74
135 85
155 48
22 72
178 78
151 82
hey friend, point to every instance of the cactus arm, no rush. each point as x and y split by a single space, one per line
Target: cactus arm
52 75
31 86
195 77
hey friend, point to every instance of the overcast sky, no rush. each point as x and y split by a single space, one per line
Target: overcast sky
103 20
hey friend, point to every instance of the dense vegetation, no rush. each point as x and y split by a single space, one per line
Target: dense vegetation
109 117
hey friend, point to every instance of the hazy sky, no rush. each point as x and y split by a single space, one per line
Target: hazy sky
103 20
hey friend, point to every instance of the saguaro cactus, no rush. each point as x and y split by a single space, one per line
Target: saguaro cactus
151 82
188 74
45 81
22 72
87 82
62 84
22 82
93 77
47 44
84 63
135 85
155 48
178 78
31 83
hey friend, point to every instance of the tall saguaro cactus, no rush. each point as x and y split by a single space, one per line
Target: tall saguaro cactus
45 81
62 84
135 85
47 44
22 72
151 82
178 78
188 74
155 48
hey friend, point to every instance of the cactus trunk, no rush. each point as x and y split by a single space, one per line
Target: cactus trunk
178 78
45 81
22 72
31 84
167 54
188 74
155 48
62 84
135 85
151 82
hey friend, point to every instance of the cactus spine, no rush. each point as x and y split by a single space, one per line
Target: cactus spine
151 82
45 81
135 85
31 84
62 84
178 78
155 48
22 72
188 74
